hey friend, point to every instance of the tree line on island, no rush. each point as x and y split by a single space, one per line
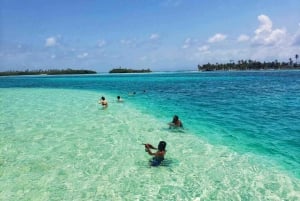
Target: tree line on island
240 65
251 65
70 71
128 70
48 72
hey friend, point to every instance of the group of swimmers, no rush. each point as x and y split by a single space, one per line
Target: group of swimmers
104 102
159 155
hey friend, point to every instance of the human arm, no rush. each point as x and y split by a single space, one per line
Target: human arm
157 154
149 151
149 146
178 123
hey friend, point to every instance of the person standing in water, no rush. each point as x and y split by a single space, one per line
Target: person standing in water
176 123
103 102
159 155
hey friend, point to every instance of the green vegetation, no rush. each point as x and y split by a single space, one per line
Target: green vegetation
127 70
47 72
250 65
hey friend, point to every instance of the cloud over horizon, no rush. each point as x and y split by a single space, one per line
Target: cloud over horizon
217 38
243 38
265 35
154 37
169 34
51 42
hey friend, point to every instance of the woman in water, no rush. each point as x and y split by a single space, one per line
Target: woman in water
158 155
176 122
103 102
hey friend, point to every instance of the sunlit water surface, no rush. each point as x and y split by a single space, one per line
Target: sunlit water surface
241 137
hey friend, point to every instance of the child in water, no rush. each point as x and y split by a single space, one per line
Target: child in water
158 155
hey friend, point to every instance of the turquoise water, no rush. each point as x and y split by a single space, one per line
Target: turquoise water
241 137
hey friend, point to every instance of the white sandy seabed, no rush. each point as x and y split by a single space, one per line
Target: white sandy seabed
61 145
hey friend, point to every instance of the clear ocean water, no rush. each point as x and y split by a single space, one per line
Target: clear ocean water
241 136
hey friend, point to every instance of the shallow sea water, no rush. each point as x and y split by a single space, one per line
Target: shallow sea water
59 144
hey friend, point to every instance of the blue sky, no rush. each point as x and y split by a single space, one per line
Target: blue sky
162 35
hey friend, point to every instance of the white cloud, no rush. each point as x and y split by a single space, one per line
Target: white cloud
265 35
265 24
154 37
243 38
203 48
125 42
101 43
217 38
83 55
185 46
51 42
143 58
188 40
296 39
187 43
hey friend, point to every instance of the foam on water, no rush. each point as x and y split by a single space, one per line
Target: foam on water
59 144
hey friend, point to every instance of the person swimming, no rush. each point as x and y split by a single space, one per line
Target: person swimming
159 155
103 102
176 122
119 99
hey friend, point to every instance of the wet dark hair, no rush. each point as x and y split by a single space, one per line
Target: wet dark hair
175 118
162 145
118 97
102 98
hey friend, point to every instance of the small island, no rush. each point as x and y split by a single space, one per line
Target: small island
47 72
242 65
128 70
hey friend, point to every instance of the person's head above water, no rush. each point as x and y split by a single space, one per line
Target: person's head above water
175 118
162 146
102 98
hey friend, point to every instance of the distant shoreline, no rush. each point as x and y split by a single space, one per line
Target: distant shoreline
47 72
246 65
250 70
127 70
89 72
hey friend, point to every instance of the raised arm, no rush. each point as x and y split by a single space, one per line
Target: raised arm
158 153
150 152
149 146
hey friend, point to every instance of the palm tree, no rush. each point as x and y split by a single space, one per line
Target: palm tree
291 61
296 57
